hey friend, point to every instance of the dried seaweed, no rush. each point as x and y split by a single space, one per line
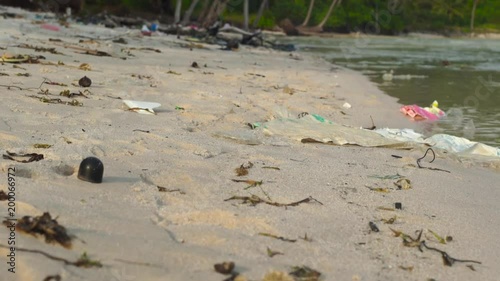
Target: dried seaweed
32 157
254 200
278 237
407 268
83 260
42 145
40 49
379 189
68 94
408 241
58 101
224 267
251 183
165 189
304 273
271 253
243 170
269 167
433 158
439 238
145 49
403 183
306 238
389 221
447 259
45 226
55 83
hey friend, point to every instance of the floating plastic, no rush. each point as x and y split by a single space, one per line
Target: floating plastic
427 113
142 107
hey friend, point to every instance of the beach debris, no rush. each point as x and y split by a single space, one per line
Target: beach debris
305 273
346 105
408 241
83 260
447 259
441 239
142 107
55 83
85 82
418 113
145 49
271 253
389 221
379 189
140 130
407 268
373 127
33 157
306 238
68 94
42 145
58 101
173 72
254 200
256 74
85 67
271 167
251 183
165 189
277 276
243 170
9 58
373 227
396 156
53 278
195 65
398 205
45 226
387 177
224 267
179 108
23 74
403 183
277 237
433 158
290 91
91 170
3 196
39 49
382 208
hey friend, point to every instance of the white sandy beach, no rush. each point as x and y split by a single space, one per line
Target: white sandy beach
139 233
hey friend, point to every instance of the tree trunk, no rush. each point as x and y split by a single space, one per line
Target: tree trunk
204 11
217 8
262 7
245 15
178 7
330 10
309 11
189 12
473 15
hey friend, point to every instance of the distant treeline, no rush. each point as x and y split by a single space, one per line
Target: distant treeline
370 16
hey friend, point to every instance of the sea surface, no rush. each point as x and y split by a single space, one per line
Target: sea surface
463 75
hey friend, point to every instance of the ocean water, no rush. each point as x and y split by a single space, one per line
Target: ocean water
463 75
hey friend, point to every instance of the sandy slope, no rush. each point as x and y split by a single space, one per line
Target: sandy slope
139 233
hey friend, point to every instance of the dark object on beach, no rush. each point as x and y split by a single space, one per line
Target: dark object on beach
32 157
195 65
91 170
305 273
44 225
445 62
85 82
373 227
232 45
398 205
3 196
224 268
53 277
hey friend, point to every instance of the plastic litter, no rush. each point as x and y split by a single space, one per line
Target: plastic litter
346 105
142 107
427 113
91 170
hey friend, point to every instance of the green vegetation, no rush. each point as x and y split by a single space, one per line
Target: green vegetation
371 16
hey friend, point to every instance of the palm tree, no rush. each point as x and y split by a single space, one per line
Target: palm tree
330 10
263 5
473 15
309 11
215 10
245 14
189 12
177 16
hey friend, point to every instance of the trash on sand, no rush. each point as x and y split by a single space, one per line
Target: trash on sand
43 225
243 170
14 59
251 183
3 196
346 105
145 31
50 27
224 267
373 227
91 170
304 273
141 107
42 145
427 113
398 205
14 157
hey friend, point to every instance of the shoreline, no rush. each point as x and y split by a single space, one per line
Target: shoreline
193 145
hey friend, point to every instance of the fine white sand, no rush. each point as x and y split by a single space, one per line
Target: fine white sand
139 233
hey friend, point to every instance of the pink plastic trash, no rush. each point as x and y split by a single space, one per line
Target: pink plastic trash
50 27
418 113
